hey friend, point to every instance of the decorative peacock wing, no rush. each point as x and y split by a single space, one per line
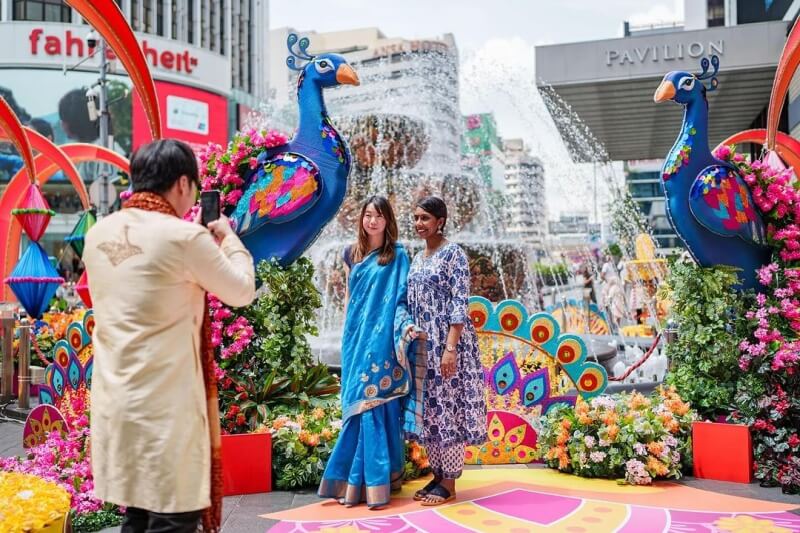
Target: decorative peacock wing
285 186
721 201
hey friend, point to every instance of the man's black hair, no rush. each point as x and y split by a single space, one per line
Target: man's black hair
74 114
157 166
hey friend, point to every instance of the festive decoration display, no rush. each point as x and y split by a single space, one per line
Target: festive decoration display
529 365
42 420
10 234
76 238
34 280
579 317
82 288
708 201
68 378
646 266
32 504
33 213
624 436
285 194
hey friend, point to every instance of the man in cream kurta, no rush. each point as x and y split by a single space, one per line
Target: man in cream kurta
148 275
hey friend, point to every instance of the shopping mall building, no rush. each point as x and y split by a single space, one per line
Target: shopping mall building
610 84
209 59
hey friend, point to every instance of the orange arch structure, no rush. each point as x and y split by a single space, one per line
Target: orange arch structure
107 18
12 129
787 147
10 229
787 66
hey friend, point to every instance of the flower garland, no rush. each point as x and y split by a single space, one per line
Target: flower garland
627 436
29 502
770 356
224 168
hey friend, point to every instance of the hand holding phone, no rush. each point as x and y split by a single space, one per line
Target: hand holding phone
209 207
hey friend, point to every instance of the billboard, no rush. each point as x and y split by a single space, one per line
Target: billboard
55 104
191 115
749 11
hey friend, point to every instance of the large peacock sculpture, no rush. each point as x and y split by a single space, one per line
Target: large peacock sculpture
708 203
297 188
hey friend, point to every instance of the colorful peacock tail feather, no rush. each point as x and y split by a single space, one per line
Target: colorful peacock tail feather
301 53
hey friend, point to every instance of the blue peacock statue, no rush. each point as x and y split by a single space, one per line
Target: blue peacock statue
298 187
708 202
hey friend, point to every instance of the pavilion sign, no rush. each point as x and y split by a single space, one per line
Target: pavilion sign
663 53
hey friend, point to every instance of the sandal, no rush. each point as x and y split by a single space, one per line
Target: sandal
440 492
422 493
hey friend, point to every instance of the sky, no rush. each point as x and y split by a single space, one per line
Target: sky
496 41
476 22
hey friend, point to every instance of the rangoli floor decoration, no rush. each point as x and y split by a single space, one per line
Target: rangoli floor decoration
520 500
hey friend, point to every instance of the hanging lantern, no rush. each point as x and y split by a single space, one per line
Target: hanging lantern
82 288
34 280
76 239
33 212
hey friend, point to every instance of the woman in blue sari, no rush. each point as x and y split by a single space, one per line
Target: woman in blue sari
368 460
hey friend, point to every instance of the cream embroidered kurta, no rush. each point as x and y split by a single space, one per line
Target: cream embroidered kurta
148 273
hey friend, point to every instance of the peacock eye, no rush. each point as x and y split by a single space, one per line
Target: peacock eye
323 66
687 83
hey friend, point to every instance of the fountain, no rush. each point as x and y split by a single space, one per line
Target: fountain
405 145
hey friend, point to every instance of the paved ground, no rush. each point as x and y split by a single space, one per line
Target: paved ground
241 513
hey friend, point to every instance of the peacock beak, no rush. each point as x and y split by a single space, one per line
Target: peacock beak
665 91
346 75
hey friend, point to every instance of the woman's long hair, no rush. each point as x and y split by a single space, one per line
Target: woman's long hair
361 248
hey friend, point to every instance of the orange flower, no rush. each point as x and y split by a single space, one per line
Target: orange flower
610 418
563 461
300 419
313 440
584 419
566 423
656 467
424 464
655 448
318 414
613 431
416 455
278 423
581 407
304 436
638 400
327 434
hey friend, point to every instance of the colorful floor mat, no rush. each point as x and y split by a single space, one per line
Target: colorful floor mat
521 500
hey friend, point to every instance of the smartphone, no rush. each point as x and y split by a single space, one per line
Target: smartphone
209 206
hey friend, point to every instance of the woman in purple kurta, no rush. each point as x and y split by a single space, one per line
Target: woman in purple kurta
454 413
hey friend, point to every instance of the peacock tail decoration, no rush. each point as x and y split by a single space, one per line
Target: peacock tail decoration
68 379
529 366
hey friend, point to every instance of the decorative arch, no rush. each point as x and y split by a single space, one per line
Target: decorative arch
787 66
10 229
787 147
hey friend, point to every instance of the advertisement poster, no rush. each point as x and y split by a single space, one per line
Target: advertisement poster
191 115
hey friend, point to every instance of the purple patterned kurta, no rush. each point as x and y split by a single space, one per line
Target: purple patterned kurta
438 296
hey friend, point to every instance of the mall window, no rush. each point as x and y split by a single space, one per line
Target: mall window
43 10
174 29
160 14
190 19
148 16
716 13
135 14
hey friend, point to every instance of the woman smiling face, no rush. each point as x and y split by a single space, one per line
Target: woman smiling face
426 224
373 222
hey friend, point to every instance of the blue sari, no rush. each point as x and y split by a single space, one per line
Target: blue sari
368 459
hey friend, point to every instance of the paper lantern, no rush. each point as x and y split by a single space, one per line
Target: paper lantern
76 239
34 280
33 213
82 288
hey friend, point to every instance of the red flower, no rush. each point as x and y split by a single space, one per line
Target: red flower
760 424
240 419
794 441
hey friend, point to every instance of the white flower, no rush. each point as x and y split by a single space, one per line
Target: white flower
589 441
597 457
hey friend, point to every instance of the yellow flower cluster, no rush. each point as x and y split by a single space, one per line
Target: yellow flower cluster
30 503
